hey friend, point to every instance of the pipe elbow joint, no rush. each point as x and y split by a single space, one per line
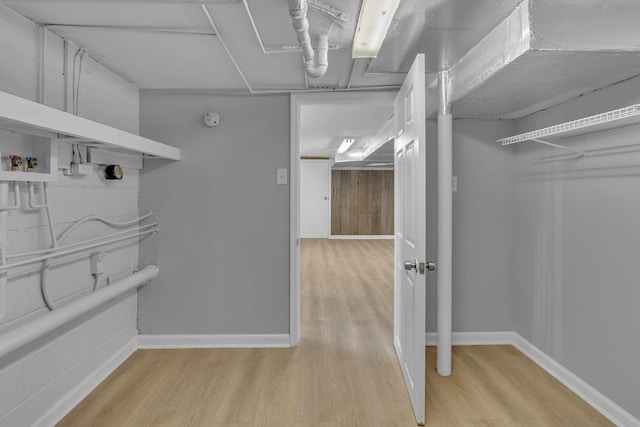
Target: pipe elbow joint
318 67
316 71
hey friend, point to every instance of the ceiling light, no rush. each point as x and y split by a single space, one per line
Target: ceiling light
373 23
346 143
373 165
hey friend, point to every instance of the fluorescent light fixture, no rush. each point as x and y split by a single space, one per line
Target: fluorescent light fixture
346 143
373 23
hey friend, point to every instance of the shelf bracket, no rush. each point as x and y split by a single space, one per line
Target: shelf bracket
561 147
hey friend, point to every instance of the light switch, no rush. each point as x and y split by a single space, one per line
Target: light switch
282 177
454 184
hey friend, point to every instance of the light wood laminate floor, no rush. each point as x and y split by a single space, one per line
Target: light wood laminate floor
344 373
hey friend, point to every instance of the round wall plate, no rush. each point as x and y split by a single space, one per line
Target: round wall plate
211 119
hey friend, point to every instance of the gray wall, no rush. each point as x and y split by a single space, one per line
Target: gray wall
483 226
224 244
577 270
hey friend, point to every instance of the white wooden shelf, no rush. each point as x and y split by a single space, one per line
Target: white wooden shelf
611 119
28 117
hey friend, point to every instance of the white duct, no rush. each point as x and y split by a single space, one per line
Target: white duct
23 335
314 66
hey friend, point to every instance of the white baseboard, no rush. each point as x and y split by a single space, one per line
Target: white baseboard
82 390
362 236
214 341
593 397
475 338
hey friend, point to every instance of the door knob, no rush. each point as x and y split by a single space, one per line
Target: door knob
410 265
419 267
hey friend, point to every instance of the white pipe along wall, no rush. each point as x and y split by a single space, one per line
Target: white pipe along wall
23 335
314 66
4 198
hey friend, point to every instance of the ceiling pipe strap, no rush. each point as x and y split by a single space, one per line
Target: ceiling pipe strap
314 65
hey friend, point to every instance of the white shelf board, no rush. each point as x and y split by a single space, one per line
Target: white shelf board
25 116
626 116
19 176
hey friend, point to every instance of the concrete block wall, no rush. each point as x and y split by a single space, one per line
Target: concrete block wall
40 383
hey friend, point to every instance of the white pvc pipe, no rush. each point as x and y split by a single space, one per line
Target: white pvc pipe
4 200
43 64
47 208
84 242
315 66
62 251
65 74
16 199
27 333
445 226
47 264
54 241
103 220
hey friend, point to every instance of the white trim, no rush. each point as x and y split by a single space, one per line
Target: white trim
593 397
475 338
214 341
361 236
82 390
294 223
298 99
330 196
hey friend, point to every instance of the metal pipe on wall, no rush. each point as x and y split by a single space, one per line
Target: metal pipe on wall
23 335
445 224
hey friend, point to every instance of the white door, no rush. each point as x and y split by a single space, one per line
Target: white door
315 204
410 234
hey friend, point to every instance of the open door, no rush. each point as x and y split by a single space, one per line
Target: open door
410 234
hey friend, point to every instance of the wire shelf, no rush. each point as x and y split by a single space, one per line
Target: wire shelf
611 119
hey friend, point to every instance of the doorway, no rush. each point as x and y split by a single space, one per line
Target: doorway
325 120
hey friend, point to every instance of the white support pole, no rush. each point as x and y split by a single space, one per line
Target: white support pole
445 224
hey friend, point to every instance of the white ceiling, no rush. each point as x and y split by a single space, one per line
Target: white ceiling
445 29
324 126
251 50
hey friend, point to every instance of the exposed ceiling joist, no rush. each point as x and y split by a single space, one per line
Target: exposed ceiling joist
149 2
